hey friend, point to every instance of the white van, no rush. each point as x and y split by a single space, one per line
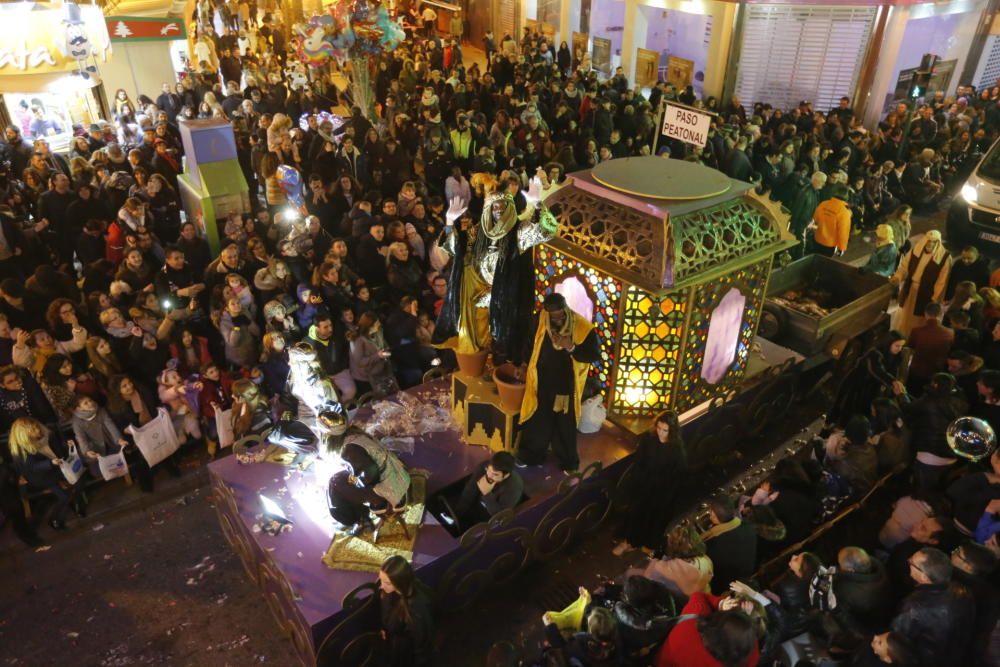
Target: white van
974 215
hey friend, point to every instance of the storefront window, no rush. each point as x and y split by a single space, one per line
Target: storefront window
608 22
50 115
681 41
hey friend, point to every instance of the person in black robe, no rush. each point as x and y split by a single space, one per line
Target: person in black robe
870 378
657 479
406 615
564 345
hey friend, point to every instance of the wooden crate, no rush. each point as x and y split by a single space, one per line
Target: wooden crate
476 406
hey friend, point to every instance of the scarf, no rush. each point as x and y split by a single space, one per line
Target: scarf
121 332
85 415
721 529
497 229
564 331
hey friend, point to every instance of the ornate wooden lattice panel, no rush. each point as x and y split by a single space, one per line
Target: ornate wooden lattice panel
651 341
613 233
713 236
751 281
552 267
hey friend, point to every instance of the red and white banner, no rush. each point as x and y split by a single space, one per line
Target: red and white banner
142 29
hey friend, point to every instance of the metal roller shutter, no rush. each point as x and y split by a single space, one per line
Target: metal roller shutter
794 53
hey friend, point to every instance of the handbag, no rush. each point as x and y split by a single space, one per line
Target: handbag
72 466
113 466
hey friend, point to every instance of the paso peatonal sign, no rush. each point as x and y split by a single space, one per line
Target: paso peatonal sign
686 125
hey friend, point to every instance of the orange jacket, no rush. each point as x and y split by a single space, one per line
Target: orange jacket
833 224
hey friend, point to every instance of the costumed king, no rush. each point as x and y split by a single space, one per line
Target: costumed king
565 346
373 481
492 277
309 390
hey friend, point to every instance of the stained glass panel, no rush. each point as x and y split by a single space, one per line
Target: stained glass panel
751 281
650 344
552 268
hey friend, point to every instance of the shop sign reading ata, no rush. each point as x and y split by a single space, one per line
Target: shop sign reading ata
43 38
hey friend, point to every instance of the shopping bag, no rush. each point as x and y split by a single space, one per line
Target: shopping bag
592 414
224 427
112 466
72 466
156 440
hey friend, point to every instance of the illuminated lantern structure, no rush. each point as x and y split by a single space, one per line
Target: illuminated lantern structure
670 260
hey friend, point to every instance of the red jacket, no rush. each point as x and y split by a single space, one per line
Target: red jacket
215 392
931 344
684 648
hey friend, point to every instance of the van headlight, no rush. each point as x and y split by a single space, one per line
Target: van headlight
969 193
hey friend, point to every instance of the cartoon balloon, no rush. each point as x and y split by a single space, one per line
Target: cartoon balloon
971 438
315 49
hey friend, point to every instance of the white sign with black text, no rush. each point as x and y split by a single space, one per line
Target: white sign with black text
686 125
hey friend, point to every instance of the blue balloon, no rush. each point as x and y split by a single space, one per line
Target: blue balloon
291 183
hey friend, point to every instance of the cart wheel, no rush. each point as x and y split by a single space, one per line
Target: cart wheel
773 321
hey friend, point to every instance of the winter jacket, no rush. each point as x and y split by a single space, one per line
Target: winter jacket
858 603
684 646
928 418
682 576
733 550
938 621
833 224
240 336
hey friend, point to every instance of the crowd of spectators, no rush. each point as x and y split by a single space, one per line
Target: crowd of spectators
112 306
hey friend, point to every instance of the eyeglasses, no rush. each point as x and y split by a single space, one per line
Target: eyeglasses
957 552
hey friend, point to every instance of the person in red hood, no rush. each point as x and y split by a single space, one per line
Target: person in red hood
711 632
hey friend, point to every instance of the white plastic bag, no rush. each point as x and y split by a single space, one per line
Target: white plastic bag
156 440
592 414
112 466
224 427
72 466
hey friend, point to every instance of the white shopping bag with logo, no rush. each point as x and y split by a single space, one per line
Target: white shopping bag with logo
72 466
112 466
156 440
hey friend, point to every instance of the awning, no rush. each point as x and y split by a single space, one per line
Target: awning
56 82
